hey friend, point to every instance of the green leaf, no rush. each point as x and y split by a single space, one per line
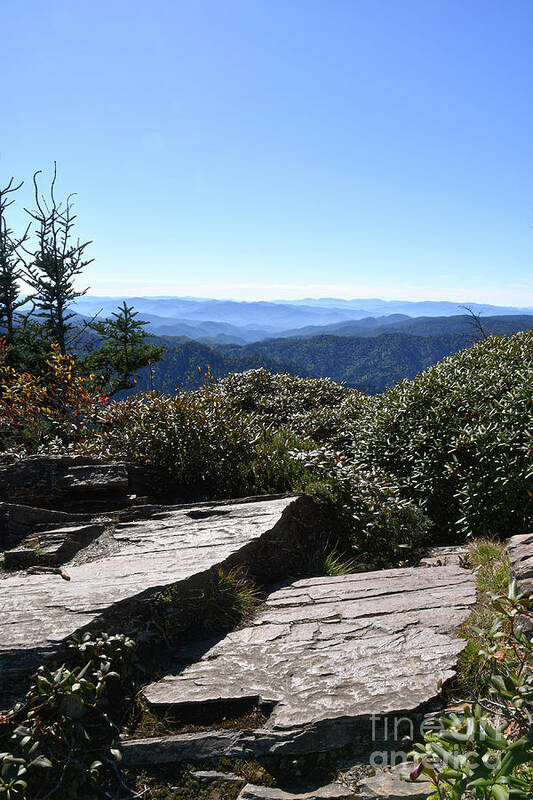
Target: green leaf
500 792
40 761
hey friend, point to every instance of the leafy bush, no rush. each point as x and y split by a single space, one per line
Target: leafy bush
205 445
216 443
281 400
309 408
381 526
488 753
59 737
37 408
458 438
240 437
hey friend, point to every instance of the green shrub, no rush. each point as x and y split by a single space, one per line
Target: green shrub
488 753
203 443
58 741
458 438
314 408
207 446
373 518
278 398
216 442
228 598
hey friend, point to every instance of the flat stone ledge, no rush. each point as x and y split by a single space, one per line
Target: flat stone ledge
444 557
75 482
386 784
211 776
193 747
393 784
52 547
336 648
172 546
338 659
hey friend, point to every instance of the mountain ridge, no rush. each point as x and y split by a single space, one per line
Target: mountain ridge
242 322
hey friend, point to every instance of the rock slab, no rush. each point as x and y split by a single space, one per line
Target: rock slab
519 550
393 784
385 784
75 483
177 545
333 656
51 547
332 790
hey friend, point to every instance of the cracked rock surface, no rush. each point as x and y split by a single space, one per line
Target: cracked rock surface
519 550
169 546
334 650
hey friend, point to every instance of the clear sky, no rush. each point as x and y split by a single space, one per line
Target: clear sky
282 148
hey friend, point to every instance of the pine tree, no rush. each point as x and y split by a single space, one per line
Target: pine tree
123 349
11 262
57 262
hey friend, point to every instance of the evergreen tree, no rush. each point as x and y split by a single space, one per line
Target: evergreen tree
123 350
57 261
11 263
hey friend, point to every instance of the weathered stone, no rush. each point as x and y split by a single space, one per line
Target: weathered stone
251 792
519 550
181 544
445 557
212 775
211 744
393 784
51 547
76 483
17 522
386 784
329 653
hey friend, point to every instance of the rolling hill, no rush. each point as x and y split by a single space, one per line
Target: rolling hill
501 325
370 364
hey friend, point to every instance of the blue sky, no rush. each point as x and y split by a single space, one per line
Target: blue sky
283 148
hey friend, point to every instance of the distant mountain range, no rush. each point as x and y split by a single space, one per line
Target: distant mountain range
368 344
413 308
503 324
236 322
368 363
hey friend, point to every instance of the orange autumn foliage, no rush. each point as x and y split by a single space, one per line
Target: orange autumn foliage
55 403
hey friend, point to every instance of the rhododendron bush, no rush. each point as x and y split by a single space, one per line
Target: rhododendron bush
459 438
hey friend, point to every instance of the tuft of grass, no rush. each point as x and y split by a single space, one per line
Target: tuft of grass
490 566
334 564
492 571
146 722
226 600
174 782
327 560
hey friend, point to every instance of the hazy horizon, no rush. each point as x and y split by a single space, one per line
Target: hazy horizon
300 298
